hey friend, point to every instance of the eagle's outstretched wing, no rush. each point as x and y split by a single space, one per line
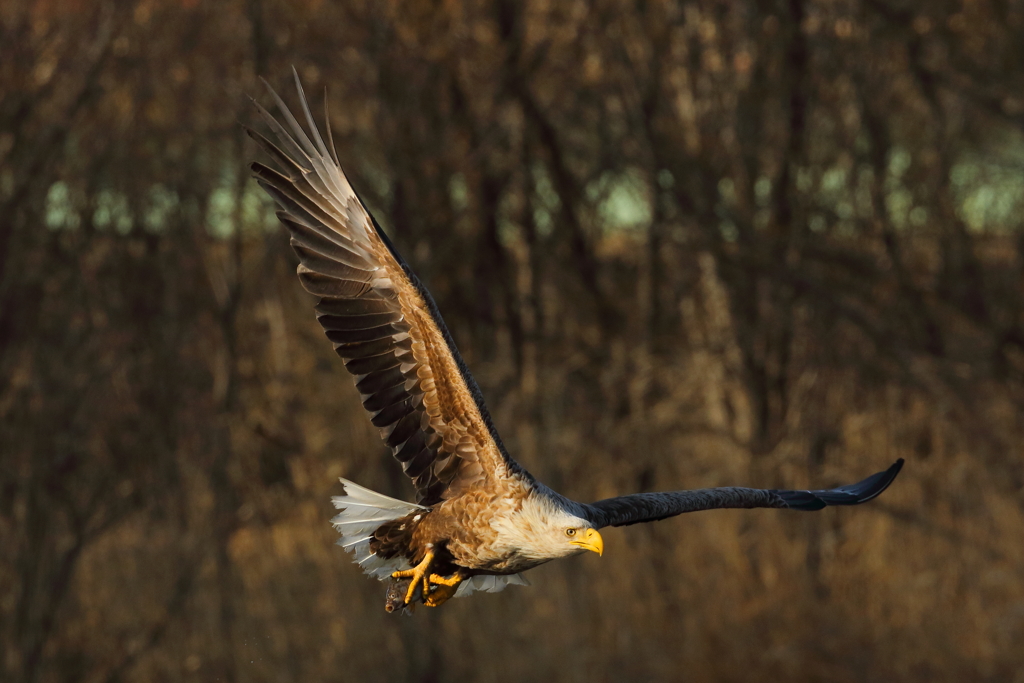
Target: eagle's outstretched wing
383 322
650 507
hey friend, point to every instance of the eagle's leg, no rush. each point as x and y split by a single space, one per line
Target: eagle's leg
444 588
419 575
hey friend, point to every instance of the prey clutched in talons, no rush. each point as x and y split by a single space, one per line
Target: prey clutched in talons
394 597
433 589
418 574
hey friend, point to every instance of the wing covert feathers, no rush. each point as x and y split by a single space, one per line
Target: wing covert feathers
381 320
650 507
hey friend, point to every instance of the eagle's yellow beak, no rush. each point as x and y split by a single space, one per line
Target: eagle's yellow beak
591 541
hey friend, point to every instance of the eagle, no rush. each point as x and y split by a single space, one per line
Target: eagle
480 519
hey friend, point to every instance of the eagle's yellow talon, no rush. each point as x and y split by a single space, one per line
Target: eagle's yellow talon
444 588
419 574
453 580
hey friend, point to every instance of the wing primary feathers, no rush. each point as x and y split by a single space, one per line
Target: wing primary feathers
382 320
322 168
853 494
309 116
286 139
317 174
651 507
276 153
330 135
297 132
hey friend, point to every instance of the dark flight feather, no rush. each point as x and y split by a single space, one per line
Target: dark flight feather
650 507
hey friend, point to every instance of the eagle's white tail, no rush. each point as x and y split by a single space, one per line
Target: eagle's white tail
360 512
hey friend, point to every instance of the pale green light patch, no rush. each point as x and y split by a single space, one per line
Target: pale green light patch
992 207
833 180
112 212
627 203
509 230
542 220
665 179
763 191
730 233
727 190
898 203
965 174
162 202
458 192
899 162
220 212
990 188
622 200
544 188
258 210
60 210
804 180
548 202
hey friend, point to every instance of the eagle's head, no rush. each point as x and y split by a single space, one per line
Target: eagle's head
544 528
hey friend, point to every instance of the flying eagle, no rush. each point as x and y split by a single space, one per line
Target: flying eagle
480 519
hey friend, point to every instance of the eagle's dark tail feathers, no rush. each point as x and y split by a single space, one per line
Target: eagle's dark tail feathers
854 494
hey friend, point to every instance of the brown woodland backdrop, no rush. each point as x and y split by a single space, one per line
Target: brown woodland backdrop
681 243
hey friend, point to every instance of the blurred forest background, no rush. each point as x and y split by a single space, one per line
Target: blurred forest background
681 243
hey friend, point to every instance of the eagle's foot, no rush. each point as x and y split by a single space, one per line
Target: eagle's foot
444 589
418 574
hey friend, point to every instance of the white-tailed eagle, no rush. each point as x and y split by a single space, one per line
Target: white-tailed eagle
480 519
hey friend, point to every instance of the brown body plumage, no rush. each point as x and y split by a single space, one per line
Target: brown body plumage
460 531
480 519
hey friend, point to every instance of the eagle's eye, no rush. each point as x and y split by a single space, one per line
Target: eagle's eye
570 532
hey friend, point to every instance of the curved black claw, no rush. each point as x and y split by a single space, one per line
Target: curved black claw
854 494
